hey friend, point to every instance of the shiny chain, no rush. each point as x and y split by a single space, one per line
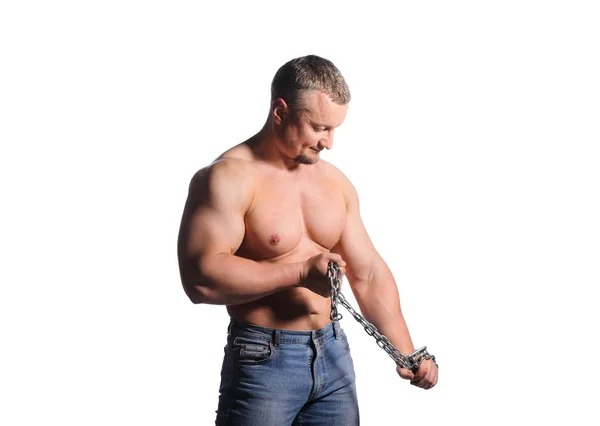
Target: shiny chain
410 362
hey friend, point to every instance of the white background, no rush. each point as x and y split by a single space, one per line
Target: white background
472 139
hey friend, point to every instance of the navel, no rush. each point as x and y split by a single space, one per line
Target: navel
274 240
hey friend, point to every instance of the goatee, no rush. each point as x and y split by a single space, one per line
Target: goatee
304 159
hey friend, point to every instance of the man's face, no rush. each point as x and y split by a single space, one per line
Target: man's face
307 133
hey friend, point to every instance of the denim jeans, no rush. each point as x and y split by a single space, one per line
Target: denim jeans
276 377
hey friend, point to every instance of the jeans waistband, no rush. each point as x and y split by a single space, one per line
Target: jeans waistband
280 336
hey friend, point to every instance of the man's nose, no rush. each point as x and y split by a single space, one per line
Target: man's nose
327 141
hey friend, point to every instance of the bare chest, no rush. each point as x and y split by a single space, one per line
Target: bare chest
286 219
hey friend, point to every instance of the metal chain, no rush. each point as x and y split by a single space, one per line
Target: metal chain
410 362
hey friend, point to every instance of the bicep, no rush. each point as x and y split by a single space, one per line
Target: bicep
213 219
355 245
214 230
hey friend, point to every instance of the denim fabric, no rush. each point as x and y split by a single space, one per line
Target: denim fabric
283 377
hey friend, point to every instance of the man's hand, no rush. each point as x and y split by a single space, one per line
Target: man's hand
315 269
426 376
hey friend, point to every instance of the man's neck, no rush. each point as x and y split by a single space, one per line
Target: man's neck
264 147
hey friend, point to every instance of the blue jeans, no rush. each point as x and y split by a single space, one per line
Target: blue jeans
276 377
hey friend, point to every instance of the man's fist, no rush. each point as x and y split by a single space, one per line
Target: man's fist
315 270
426 376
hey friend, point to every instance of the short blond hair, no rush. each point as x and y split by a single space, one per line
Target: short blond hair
307 73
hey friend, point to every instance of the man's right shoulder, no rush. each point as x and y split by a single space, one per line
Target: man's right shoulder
225 176
235 163
224 167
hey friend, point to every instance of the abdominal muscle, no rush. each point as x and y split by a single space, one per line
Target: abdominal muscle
294 309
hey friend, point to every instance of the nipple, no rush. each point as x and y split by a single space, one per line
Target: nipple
274 240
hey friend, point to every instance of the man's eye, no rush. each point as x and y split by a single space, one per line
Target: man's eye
319 129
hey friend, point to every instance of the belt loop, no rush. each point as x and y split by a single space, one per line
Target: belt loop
276 336
336 329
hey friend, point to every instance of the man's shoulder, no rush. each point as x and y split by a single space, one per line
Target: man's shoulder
231 164
238 152
332 173
225 175
223 170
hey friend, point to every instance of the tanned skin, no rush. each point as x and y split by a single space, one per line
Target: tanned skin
263 221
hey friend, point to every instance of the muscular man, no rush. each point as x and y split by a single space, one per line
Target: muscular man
259 228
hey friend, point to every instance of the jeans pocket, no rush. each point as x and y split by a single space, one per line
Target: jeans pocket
248 350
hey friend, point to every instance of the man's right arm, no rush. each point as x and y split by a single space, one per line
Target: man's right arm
212 229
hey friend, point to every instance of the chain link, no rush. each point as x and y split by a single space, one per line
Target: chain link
410 362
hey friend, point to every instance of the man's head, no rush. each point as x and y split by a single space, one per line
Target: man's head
309 99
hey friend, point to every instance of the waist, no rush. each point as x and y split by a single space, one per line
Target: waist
293 309
283 336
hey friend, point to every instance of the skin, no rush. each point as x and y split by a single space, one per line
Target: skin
262 222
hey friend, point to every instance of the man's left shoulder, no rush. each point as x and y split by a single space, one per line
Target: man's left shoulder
332 173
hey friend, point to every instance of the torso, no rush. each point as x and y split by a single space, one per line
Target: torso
294 216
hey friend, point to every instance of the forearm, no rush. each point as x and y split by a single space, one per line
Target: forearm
230 280
379 302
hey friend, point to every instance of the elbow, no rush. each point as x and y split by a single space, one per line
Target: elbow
198 293
195 298
200 286
195 284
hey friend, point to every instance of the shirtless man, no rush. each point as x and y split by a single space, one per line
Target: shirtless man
260 226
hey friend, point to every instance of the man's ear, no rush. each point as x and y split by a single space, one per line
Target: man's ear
280 111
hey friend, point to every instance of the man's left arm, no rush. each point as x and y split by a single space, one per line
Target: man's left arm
375 289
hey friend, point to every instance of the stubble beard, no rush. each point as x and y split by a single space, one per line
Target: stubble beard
305 159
